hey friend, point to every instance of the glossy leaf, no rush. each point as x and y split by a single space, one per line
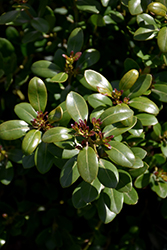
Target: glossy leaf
121 154
162 39
125 182
140 152
135 7
118 128
144 104
60 77
12 130
55 115
40 24
158 9
131 198
145 33
97 20
116 114
66 117
146 19
96 100
6 173
31 141
108 174
142 84
56 134
77 199
37 94
113 199
160 188
43 158
88 58
147 119
105 214
87 164
90 191
9 16
69 173
142 181
76 106
89 6
137 130
45 68
28 161
128 80
160 92
75 41
139 171
96 80
25 112
97 112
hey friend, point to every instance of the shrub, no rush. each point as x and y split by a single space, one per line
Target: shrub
83 132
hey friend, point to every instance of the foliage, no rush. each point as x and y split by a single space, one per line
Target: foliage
83 132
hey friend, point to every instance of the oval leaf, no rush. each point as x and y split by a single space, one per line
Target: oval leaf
96 100
75 41
144 104
125 182
108 174
31 141
87 164
25 112
121 154
147 119
162 39
116 114
55 115
76 106
60 77
37 94
45 68
96 80
158 9
12 130
160 92
40 24
90 191
135 7
131 198
128 80
56 134
113 199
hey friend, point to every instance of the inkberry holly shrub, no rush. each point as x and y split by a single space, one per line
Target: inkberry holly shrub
83 131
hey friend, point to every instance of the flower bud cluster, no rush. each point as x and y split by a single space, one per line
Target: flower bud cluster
3 153
160 173
93 136
69 68
41 122
116 95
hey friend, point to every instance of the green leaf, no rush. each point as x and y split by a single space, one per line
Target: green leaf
69 173
28 161
128 80
144 104
160 92
108 174
137 130
147 119
158 9
87 164
90 191
97 20
143 180
25 112
121 154
125 182
116 114
135 7
6 173
162 39
12 130
145 33
131 198
43 158
40 24
160 188
88 58
96 100
76 106
31 141
9 16
139 171
96 80
37 94
91 6
55 115
146 19
77 199
164 148
105 214
142 84
45 68
30 36
118 128
140 152
113 199
60 77
56 134
75 41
